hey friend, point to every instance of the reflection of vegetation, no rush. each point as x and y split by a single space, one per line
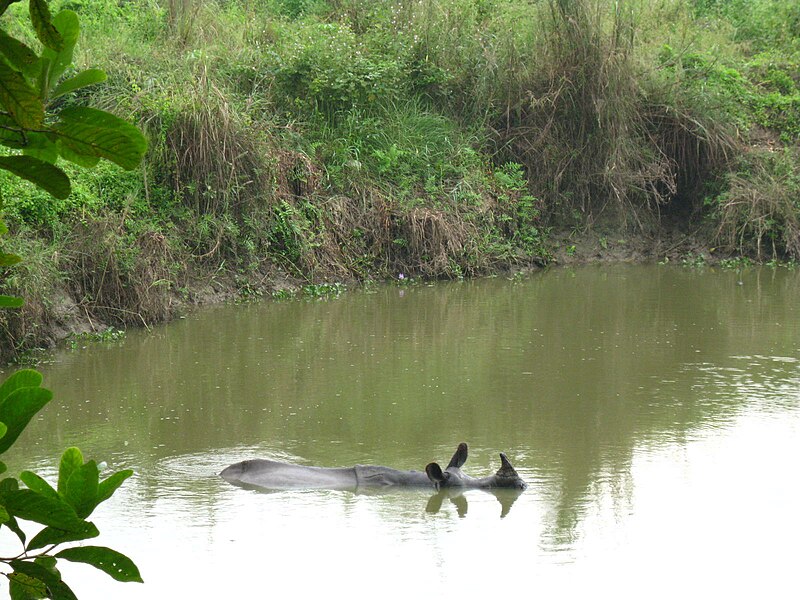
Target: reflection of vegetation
568 372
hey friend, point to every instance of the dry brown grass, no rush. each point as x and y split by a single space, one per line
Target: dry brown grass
694 151
760 211
434 241
218 166
115 281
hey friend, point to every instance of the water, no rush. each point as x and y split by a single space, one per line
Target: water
654 412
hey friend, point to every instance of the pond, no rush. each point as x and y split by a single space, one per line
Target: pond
654 412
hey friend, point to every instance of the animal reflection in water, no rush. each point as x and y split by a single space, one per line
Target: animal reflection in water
450 482
506 498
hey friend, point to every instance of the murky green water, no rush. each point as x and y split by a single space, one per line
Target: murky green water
654 411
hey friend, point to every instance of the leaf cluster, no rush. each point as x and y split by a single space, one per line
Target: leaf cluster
36 122
63 510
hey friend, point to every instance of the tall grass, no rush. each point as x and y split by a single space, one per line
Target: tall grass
567 92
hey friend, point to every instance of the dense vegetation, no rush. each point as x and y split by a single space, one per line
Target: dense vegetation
355 139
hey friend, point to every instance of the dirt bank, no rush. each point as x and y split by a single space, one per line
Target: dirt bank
668 245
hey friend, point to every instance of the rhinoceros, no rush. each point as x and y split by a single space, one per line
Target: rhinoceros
274 475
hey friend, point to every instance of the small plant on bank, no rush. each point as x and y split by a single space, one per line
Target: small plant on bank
737 262
323 290
524 210
284 295
694 261
405 280
76 340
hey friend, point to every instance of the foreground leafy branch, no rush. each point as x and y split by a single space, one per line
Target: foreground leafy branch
37 136
29 82
62 511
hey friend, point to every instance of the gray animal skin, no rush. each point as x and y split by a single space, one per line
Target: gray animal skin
273 475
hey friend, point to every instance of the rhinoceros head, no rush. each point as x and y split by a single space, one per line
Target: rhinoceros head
505 477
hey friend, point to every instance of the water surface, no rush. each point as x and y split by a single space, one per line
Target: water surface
653 411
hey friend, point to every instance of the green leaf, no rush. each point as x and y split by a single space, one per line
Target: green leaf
3 430
43 80
82 487
9 484
10 301
4 516
39 145
71 461
20 99
87 162
7 260
42 24
32 506
22 58
110 485
81 80
32 569
4 4
48 154
20 379
3 467
14 526
91 132
119 566
61 591
48 562
41 173
25 587
44 569
11 135
67 24
52 535
37 484
18 409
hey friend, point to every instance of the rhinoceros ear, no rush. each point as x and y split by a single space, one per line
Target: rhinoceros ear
506 470
435 474
460 457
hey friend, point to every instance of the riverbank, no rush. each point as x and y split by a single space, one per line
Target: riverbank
302 143
68 319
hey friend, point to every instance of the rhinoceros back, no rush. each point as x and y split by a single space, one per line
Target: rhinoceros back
271 474
375 476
